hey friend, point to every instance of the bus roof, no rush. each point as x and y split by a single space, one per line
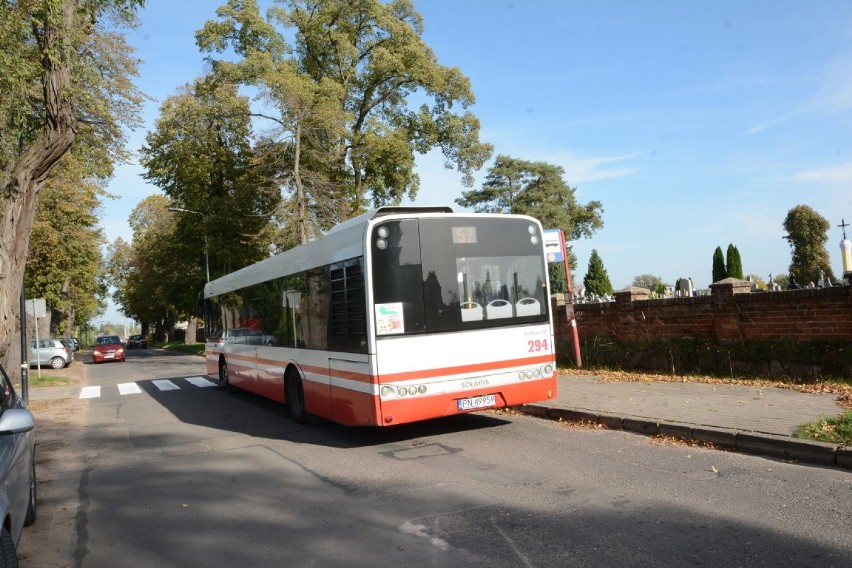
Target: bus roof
342 242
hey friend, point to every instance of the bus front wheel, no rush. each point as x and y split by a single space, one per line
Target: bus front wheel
296 398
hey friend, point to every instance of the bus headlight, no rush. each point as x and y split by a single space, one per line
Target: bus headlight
386 391
421 389
381 244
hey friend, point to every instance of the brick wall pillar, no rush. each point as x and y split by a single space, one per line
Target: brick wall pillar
626 320
726 315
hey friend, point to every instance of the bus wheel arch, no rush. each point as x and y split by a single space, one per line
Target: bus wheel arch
294 394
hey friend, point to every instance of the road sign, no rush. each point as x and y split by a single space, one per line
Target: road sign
37 307
552 245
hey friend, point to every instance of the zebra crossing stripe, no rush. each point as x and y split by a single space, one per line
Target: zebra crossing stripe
128 388
90 392
133 388
201 382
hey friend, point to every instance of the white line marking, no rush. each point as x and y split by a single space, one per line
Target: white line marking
90 392
202 382
128 388
165 385
419 530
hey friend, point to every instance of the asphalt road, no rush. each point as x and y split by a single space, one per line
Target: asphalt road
181 474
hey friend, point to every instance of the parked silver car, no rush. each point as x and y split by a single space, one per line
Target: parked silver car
17 469
50 352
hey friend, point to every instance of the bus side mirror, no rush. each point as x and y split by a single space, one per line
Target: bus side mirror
199 307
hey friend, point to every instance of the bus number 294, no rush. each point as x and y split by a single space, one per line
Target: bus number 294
537 345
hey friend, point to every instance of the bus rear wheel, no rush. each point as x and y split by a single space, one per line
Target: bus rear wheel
296 397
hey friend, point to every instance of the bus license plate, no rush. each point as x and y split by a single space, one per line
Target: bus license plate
477 402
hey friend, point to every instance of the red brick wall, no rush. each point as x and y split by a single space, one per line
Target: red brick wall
730 313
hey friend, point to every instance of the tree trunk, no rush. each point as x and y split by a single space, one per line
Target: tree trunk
20 194
191 330
301 206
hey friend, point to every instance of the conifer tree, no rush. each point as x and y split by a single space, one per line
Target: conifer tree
596 280
734 265
719 271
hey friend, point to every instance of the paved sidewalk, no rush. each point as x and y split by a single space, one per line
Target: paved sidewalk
759 420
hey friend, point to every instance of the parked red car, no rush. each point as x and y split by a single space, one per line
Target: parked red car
108 348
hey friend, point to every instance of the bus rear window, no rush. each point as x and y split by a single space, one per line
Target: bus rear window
437 275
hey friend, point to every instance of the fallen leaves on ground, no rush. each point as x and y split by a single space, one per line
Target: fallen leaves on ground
664 440
843 391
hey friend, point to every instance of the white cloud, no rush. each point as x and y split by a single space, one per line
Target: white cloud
579 170
839 174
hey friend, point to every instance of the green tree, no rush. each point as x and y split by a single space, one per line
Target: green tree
596 280
368 59
149 276
807 233
733 263
200 155
653 283
719 270
61 64
556 274
539 190
64 260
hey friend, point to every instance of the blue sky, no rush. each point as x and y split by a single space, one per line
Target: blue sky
695 123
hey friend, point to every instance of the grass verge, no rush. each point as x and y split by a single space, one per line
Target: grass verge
188 348
837 430
48 380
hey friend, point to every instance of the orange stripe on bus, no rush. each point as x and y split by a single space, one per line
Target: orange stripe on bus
409 375
460 369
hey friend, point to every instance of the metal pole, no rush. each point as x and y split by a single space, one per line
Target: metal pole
569 302
38 347
25 365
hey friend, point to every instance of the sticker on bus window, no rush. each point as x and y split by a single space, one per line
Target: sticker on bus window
389 318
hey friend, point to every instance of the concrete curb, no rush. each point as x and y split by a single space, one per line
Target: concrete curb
754 443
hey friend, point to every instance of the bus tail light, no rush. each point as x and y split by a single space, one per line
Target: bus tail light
388 391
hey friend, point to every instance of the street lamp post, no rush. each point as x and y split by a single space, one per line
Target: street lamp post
206 254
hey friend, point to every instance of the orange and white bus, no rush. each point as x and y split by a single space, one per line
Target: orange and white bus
398 315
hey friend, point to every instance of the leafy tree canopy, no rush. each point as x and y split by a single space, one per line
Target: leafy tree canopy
807 233
653 283
200 155
537 189
64 261
63 69
341 76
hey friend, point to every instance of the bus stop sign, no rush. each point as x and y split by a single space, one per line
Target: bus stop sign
552 246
